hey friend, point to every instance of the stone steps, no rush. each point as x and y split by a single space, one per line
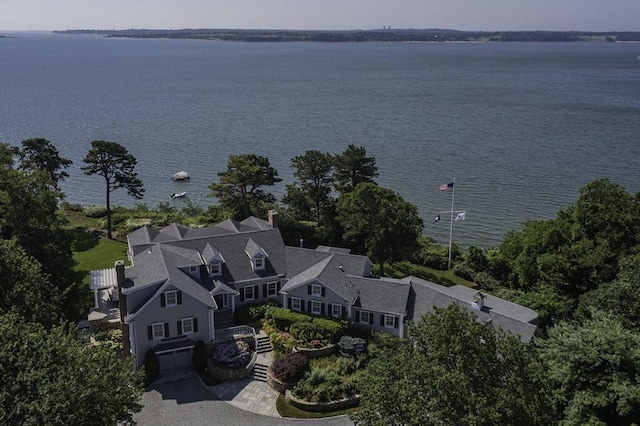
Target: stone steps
259 372
263 345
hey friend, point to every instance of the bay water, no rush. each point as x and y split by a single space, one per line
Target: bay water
520 126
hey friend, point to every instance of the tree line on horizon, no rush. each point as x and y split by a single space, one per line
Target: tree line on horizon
580 271
372 35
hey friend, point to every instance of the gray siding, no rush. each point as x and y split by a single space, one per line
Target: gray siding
170 315
377 321
326 298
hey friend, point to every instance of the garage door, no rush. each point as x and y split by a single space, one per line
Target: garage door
175 359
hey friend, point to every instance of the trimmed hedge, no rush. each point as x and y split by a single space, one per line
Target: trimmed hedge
151 367
199 356
283 318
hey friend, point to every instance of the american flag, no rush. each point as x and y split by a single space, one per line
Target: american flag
446 186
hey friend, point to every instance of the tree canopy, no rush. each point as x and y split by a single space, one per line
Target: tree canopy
379 221
353 167
240 187
454 370
49 377
25 289
40 154
116 165
594 368
29 215
313 170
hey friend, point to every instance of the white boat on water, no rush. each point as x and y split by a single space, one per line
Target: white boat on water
181 176
178 194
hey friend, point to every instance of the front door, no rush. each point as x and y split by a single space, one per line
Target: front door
222 300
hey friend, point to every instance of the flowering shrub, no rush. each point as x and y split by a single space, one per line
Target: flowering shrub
290 367
232 354
316 343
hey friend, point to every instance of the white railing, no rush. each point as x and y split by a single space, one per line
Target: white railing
239 330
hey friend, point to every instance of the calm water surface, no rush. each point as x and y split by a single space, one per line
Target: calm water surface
521 126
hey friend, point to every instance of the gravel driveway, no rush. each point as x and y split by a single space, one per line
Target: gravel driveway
187 402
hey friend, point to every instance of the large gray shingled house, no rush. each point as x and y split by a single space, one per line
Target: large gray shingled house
184 284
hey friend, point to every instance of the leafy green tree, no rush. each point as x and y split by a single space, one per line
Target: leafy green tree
25 289
240 187
455 370
49 377
353 167
620 298
29 214
313 170
381 221
594 368
40 154
116 166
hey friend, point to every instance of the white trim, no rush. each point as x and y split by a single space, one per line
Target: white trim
184 321
313 304
174 293
212 329
317 287
393 321
132 337
153 330
275 288
333 307
368 314
296 299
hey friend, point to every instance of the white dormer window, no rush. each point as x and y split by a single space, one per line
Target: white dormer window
215 269
316 290
256 254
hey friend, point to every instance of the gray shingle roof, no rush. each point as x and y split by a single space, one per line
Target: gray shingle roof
508 316
382 294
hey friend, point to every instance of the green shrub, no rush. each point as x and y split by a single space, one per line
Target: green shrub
347 366
304 330
199 356
282 342
328 329
290 367
463 271
151 367
95 211
251 313
351 347
381 344
283 318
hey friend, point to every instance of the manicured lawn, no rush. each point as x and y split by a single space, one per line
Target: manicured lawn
98 253
445 278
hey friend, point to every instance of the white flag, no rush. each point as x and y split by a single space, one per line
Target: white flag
460 216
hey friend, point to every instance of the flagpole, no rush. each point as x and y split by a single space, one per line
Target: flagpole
453 192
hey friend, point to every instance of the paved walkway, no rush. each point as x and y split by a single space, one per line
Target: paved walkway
250 394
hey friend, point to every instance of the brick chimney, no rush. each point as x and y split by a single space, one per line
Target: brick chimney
122 304
273 219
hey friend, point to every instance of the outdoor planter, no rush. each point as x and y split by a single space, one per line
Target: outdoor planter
317 352
320 407
229 373
277 384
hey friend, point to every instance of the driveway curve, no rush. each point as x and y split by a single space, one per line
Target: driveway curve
187 402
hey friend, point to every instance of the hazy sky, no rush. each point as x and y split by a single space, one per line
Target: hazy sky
589 15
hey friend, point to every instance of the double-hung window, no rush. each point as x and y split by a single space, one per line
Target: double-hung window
315 307
171 298
336 311
272 289
365 317
248 292
389 321
259 263
158 330
316 290
214 269
295 304
187 325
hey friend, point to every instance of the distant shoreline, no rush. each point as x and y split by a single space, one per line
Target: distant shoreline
387 34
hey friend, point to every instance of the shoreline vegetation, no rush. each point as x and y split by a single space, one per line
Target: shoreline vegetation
376 35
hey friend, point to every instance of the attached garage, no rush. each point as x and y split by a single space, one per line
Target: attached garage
176 354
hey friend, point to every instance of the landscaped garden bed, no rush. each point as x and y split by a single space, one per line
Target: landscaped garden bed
231 360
